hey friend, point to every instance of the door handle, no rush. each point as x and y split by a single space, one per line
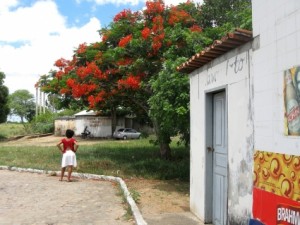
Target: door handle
210 149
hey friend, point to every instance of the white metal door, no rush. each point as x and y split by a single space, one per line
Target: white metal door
219 159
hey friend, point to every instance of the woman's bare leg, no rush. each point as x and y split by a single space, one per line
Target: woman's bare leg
70 169
63 169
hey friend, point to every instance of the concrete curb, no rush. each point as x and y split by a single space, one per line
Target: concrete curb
135 210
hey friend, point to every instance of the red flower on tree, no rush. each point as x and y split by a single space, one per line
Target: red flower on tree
93 100
196 28
145 33
154 7
64 90
125 40
131 82
82 72
82 48
124 62
122 15
104 38
61 63
157 24
70 82
178 15
59 74
90 69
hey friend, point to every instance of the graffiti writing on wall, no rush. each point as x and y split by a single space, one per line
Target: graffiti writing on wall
235 64
211 78
291 95
238 64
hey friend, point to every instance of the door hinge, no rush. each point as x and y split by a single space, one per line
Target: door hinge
210 149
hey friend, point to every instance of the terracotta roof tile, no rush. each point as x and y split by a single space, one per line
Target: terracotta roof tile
218 48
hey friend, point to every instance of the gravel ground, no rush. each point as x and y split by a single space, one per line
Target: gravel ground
28 198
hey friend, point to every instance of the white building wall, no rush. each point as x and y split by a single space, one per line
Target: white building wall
61 125
276 25
232 73
98 126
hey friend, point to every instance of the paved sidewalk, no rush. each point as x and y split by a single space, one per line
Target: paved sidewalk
29 198
40 199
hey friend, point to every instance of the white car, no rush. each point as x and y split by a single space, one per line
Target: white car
126 133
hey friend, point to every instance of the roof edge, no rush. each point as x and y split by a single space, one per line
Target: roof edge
230 41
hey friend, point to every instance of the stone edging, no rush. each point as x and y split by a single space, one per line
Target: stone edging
135 210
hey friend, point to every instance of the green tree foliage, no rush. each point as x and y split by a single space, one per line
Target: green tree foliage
228 13
4 109
134 66
22 104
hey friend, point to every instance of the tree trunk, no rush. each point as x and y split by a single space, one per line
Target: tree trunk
113 120
164 141
165 151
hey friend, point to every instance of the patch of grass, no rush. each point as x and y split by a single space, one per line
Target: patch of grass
128 215
135 195
8 130
126 159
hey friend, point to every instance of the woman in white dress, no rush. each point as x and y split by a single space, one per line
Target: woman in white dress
68 146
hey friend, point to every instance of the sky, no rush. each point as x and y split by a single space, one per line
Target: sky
35 33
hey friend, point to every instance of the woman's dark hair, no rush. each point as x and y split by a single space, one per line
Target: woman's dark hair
69 133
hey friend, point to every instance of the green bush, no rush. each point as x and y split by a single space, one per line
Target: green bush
44 123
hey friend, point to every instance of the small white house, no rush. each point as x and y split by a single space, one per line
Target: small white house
222 130
99 126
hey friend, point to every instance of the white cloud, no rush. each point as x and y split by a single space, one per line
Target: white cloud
33 38
6 4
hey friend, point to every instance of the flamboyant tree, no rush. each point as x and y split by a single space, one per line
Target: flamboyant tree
134 66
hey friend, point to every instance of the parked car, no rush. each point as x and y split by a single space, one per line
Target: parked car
126 133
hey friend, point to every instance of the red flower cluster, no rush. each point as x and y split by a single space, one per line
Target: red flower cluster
126 13
178 15
64 90
154 7
124 62
96 45
78 89
82 48
158 30
145 33
61 63
131 82
158 24
59 74
156 45
70 82
93 100
104 38
90 69
125 40
196 28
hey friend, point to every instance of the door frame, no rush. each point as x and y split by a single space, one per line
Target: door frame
208 201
